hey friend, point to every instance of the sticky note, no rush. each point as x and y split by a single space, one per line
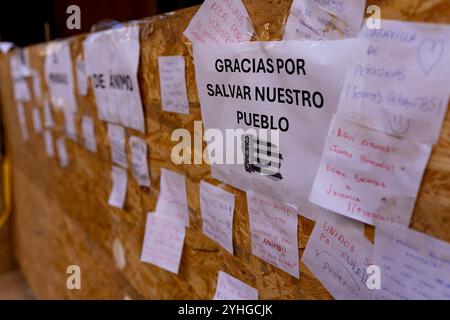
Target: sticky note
118 193
230 288
369 175
173 84
273 231
163 243
139 160
217 210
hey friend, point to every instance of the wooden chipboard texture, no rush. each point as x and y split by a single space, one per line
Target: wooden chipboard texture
62 217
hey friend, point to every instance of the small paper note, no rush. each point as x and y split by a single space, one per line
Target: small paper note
273 230
414 266
220 22
36 78
163 243
23 122
82 78
173 84
71 131
37 122
172 202
88 131
62 152
324 20
217 209
48 116
230 288
119 187
116 136
338 255
369 175
20 70
139 160
48 141
401 86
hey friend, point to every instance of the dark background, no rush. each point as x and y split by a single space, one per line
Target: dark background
23 22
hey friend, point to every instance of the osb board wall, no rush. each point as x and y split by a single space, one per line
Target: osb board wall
62 216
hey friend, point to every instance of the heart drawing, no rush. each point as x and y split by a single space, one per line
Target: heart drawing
429 53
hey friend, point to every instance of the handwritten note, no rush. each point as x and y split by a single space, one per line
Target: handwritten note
217 209
324 20
413 265
139 160
339 256
369 175
69 119
23 122
401 86
173 84
172 202
118 193
116 136
88 132
82 78
48 142
219 21
273 230
163 243
230 288
62 152
48 116
37 122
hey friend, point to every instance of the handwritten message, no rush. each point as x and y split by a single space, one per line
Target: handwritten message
273 230
324 20
116 136
138 148
172 202
401 86
163 243
414 266
369 175
338 255
217 209
173 84
220 21
119 179
88 132
230 288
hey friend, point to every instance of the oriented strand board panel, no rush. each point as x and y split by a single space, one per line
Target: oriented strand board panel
62 217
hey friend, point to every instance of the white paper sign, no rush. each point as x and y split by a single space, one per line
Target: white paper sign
218 21
48 141
172 202
139 160
414 266
116 136
230 288
339 257
217 210
112 59
173 84
37 122
59 75
163 243
22 122
82 78
290 88
119 187
401 86
62 152
88 131
324 19
19 63
48 116
273 230
369 175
